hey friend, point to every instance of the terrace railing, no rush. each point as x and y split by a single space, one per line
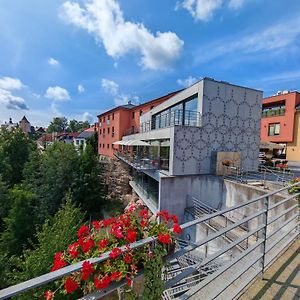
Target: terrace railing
221 273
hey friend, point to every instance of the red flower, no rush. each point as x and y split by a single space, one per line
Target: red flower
83 231
73 250
108 222
144 214
131 236
144 224
70 285
177 228
115 253
164 238
103 243
87 270
127 259
49 295
129 281
87 245
116 276
102 283
58 262
97 224
164 214
174 218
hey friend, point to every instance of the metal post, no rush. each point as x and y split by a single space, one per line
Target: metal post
264 232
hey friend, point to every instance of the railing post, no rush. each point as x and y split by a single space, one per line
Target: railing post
264 232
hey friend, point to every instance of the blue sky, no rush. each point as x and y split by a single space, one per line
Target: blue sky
79 58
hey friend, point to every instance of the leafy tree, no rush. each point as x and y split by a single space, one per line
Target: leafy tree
93 141
15 148
56 234
90 193
76 126
20 222
32 171
58 124
5 205
59 173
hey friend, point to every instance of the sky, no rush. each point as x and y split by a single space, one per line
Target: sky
79 58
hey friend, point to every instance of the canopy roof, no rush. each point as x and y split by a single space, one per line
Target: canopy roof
270 146
132 143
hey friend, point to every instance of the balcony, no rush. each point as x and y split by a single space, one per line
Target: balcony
273 112
172 118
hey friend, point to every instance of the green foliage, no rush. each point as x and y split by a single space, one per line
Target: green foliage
56 234
5 205
20 222
154 286
93 141
75 126
58 125
15 148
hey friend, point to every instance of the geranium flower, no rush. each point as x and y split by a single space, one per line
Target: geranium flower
116 276
103 244
127 259
83 231
73 250
144 224
174 218
164 238
115 252
59 262
49 295
87 270
129 281
88 245
70 285
97 224
108 222
177 228
102 283
164 214
144 214
131 236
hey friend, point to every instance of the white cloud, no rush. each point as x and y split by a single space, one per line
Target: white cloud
271 40
187 81
104 20
88 117
80 88
236 4
12 102
57 93
110 86
203 10
53 62
9 83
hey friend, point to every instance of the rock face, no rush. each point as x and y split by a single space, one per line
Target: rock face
117 179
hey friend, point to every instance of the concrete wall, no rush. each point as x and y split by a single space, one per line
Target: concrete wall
230 123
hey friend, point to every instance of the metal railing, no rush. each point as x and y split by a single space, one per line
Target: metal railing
275 228
172 118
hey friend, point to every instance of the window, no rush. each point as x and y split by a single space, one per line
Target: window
100 131
77 142
99 145
113 131
132 129
103 131
274 129
133 115
103 146
141 112
108 120
108 130
99 120
113 116
108 117
152 107
104 119
107 146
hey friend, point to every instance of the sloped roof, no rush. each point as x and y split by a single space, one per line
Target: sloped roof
85 134
25 120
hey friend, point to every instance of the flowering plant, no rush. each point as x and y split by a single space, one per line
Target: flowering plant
109 235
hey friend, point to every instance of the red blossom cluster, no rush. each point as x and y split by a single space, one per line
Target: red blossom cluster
109 236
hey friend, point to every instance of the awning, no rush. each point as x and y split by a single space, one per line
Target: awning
131 143
270 146
118 143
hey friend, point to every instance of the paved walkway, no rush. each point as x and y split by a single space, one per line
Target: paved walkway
281 280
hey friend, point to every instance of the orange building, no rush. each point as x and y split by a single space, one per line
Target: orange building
122 120
280 122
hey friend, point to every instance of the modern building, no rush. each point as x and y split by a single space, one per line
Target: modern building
80 140
187 140
280 122
120 121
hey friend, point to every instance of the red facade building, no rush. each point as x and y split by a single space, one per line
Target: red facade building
122 120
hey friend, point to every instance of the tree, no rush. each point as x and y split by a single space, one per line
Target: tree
20 222
58 124
15 148
55 235
59 173
5 205
93 141
90 190
76 126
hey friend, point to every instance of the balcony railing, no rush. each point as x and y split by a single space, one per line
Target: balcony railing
275 227
273 112
172 118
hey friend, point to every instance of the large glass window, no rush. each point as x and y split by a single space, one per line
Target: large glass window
274 129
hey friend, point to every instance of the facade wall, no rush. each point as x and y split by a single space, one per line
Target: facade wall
293 148
230 122
287 121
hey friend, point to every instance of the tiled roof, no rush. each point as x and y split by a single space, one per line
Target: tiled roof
85 134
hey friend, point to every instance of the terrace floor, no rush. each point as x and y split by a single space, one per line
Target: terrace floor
281 280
